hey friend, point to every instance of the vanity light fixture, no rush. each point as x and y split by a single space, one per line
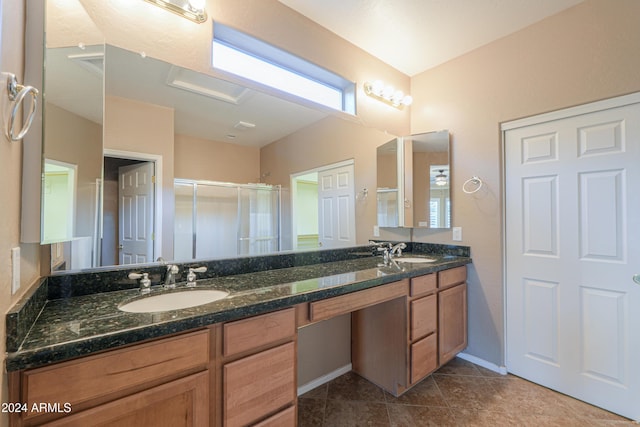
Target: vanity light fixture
190 9
441 178
387 93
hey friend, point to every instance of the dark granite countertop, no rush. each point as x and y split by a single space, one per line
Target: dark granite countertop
75 326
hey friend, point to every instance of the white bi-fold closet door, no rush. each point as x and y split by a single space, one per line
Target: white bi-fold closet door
572 210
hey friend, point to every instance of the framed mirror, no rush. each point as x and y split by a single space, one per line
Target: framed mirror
72 137
413 176
429 176
191 122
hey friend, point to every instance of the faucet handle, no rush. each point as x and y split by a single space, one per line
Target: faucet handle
145 282
191 276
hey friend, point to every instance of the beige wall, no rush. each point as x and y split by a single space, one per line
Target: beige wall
321 349
11 60
145 128
585 53
197 158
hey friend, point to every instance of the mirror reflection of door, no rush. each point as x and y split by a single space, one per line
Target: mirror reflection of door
135 194
128 211
324 207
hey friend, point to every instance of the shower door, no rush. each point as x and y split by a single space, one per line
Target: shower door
222 220
258 220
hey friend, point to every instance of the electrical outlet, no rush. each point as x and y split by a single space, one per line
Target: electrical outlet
15 270
376 231
457 234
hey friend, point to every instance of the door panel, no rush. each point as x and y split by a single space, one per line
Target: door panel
336 216
136 222
601 230
571 186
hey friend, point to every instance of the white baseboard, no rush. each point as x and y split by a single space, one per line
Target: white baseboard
323 379
481 362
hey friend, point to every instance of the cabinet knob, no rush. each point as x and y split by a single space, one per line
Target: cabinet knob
636 278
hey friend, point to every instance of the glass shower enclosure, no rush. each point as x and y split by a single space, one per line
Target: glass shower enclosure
222 220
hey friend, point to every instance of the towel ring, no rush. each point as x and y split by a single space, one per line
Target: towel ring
474 181
17 93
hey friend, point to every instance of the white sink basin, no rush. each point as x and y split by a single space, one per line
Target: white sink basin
415 260
173 301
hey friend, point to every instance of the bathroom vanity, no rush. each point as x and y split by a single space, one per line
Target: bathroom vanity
233 362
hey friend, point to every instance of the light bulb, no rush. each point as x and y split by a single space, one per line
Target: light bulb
197 4
397 97
407 100
388 91
377 87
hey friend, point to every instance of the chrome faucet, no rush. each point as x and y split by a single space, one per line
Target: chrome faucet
397 249
383 247
170 277
388 250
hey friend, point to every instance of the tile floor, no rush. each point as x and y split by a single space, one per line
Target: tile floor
458 394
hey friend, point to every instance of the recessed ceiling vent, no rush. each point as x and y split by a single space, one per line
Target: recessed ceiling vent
202 84
244 125
93 62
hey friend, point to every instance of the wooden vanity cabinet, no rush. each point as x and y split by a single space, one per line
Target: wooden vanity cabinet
166 379
259 370
244 372
398 343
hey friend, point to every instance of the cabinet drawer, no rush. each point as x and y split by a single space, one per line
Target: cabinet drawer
100 375
331 307
255 332
424 316
286 418
423 284
452 276
259 385
424 357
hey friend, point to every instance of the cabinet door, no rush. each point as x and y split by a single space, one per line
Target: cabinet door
452 319
183 402
424 357
259 385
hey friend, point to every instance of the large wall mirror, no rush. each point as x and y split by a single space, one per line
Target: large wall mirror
115 115
413 181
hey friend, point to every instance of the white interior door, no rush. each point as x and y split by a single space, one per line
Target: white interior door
572 248
136 200
336 215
